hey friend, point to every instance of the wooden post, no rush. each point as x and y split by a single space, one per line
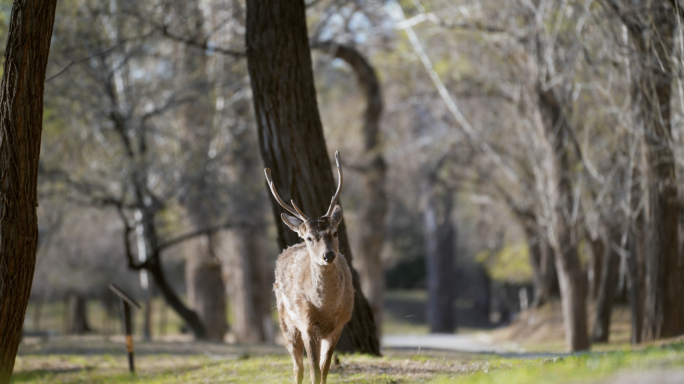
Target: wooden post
126 303
129 334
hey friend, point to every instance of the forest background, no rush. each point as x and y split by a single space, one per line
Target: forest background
533 143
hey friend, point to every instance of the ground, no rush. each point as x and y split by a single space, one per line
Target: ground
530 350
96 359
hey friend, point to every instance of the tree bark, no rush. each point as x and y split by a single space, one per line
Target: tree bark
606 288
21 117
76 315
291 135
440 240
373 206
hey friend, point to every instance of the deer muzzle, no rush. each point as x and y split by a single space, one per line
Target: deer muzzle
329 257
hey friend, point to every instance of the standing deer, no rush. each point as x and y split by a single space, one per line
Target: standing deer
313 286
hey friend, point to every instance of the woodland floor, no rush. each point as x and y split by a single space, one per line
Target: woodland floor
95 359
533 345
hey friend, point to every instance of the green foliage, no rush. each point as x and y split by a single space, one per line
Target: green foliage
510 263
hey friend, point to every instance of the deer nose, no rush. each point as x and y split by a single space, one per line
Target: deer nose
329 257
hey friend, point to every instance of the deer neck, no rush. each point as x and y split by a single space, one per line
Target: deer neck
327 283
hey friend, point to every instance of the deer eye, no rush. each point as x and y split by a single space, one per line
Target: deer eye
308 239
335 234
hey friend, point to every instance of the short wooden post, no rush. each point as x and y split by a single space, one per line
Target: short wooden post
129 334
126 303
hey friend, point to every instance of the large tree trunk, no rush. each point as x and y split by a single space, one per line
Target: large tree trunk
248 283
440 240
21 117
206 290
291 135
571 277
373 205
607 283
76 316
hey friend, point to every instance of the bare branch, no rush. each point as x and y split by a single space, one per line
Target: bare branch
192 235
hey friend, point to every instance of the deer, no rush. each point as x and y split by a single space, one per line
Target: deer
313 286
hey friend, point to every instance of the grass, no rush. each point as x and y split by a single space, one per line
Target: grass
171 358
91 360
580 368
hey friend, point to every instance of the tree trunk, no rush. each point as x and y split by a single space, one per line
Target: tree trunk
598 250
38 310
206 291
544 277
571 277
205 286
147 311
248 284
606 290
291 135
440 239
189 316
664 308
373 205
21 117
75 306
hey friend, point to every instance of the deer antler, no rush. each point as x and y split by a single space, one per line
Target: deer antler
296 211
339 185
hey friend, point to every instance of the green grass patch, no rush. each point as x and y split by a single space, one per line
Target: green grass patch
587 367
97 360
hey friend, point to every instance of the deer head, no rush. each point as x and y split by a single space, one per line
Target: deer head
320 234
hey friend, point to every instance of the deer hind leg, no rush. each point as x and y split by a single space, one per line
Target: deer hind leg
327 350
313 351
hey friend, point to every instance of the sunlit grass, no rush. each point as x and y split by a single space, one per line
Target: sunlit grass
233 366
587 367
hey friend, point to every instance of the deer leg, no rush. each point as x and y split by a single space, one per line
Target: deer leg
313 352
296 348
298 358
327 350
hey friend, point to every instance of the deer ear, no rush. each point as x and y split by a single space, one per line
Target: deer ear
336 215
291 222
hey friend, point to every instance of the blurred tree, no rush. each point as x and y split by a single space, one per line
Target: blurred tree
651 27
75 314
291 135
21 99
440 242
373 171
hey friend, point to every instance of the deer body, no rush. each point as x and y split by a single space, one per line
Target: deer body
313 287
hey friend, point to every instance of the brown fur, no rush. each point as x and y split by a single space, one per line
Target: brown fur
315 298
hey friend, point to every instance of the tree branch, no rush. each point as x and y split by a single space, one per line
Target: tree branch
127 243
201 232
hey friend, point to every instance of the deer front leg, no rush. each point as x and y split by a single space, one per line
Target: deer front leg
296 349
313 351
327 350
